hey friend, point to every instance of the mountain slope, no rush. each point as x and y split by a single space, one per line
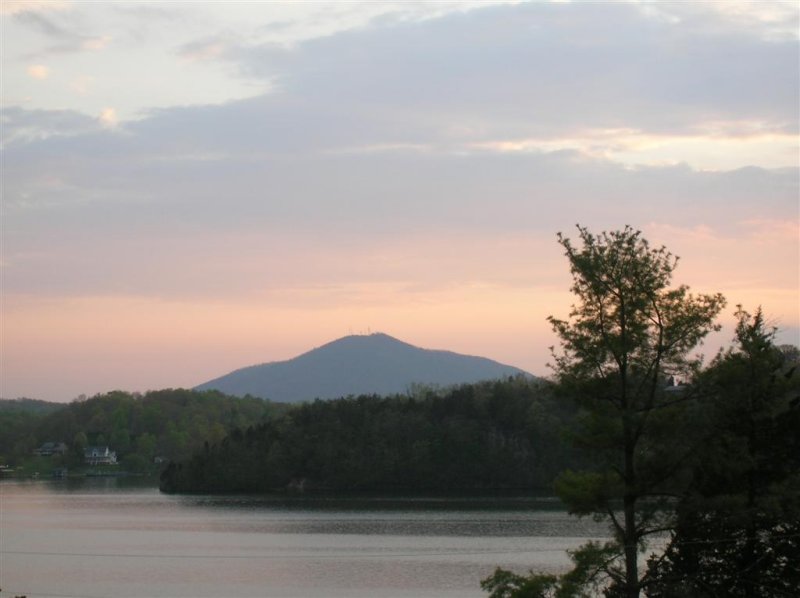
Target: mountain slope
354 365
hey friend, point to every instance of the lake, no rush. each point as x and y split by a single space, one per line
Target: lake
97 538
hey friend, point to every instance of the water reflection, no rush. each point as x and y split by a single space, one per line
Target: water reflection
108 537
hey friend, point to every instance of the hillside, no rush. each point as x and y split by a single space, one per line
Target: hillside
354 365
171 424
32 406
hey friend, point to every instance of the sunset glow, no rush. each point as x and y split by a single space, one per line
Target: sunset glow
179 202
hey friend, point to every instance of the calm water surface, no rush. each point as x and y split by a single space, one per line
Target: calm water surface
102 538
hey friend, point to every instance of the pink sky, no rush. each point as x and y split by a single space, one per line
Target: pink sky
393 168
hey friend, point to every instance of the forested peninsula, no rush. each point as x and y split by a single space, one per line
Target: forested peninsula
492 435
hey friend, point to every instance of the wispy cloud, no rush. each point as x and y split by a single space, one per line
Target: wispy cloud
748 256
200 51
81 85
38 71
96 43
13 7
108 118
67 39
540 72
21 127
45 25
721 148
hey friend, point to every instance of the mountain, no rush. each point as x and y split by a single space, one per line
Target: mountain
354 365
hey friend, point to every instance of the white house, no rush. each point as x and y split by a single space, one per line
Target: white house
99 455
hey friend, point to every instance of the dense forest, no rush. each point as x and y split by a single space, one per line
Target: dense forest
502 434
491 435
165 424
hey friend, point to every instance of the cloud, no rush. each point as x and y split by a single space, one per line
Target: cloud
567 75
204 50
406 170
21 127
787 230
244 222
108 118
711 148
499 122
44 25
63 32
749 256
96 43
771 19
13 7
38 71
455 80
81 85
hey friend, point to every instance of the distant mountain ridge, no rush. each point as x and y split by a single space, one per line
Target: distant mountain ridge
358 364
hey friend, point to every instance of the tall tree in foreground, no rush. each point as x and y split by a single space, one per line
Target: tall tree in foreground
627 335
738 530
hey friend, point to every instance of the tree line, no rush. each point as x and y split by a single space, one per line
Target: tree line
171 424
491 435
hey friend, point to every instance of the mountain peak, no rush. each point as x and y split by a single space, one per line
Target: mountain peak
374 363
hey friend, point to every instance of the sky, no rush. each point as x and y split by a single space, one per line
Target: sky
193 187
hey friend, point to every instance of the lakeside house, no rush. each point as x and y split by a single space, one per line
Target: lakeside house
99 455
48 449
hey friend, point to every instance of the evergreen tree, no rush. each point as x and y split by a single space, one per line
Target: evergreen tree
738 531
627 334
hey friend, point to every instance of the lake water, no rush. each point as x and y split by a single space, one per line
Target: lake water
103 537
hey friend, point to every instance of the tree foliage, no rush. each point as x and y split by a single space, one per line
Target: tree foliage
585 579
503 434
627 335
18 421
171 423
738 529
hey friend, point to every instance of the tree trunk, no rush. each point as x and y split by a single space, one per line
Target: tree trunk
749 550
631 549
629 506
